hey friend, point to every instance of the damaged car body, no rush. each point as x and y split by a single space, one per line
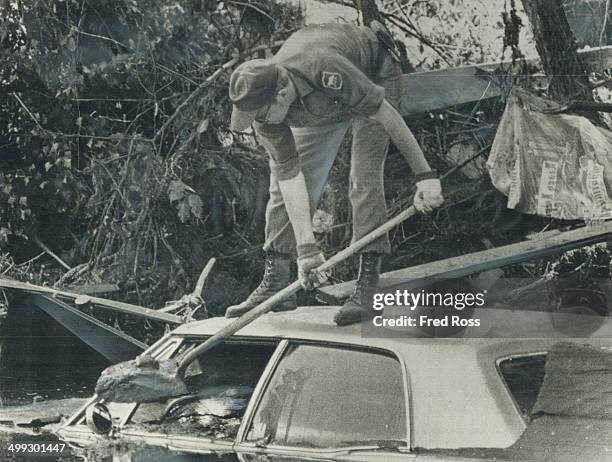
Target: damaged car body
292 386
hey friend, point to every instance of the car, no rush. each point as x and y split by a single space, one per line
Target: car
293 386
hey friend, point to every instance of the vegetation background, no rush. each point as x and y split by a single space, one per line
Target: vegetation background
117 164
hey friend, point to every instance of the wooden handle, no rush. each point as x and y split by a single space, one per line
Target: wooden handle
238 324
203 276
291 289
368 239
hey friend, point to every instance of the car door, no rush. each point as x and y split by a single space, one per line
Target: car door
329 399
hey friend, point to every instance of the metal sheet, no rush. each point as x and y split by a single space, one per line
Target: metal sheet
430 91
114 345
121 307
436 90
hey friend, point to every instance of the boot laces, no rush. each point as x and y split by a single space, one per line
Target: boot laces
268 270
268 276
368 271
367 276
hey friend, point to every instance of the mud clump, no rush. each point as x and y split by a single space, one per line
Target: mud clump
143 379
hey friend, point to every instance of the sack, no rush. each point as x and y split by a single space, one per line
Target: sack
550 164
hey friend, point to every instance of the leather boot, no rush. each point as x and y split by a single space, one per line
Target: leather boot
352 311
277 276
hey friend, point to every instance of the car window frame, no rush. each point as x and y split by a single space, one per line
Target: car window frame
170 344
276 449
498 362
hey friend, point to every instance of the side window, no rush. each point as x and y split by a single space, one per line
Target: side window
327 397
220 383
524 376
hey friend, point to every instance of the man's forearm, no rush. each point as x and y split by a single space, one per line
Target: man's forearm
402 136
297 204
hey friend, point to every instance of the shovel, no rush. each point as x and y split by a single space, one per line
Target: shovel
148 380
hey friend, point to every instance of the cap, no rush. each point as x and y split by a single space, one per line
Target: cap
252 86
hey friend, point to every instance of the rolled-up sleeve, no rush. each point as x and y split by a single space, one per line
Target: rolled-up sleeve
280 145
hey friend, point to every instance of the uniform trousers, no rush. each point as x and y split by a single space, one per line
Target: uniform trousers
317 147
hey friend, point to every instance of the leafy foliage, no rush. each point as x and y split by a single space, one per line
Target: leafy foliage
117 151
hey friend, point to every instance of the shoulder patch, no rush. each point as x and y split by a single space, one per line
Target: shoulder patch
331 80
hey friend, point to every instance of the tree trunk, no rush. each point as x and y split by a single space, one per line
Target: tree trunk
369 11
557 48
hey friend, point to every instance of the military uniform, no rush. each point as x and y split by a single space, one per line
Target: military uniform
342 73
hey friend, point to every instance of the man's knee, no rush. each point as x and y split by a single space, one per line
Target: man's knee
366 193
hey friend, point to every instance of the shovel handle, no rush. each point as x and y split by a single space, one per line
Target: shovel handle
235 326
288 291
291 289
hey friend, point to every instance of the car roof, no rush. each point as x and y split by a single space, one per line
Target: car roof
316 323
457 396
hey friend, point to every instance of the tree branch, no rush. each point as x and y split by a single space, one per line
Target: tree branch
604 26
405 26
398 22
206 83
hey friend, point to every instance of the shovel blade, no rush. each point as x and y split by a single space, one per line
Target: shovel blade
142 380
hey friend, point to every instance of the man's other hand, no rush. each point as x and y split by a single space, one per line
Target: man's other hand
309 278
428 195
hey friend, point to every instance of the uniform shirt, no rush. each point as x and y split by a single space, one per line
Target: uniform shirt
332 67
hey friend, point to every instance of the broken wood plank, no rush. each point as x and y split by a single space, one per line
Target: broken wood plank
436 90
582 106
195 297
94 289
120 307
546 244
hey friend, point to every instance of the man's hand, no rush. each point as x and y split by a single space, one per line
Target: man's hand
309 278
428 195
310 258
